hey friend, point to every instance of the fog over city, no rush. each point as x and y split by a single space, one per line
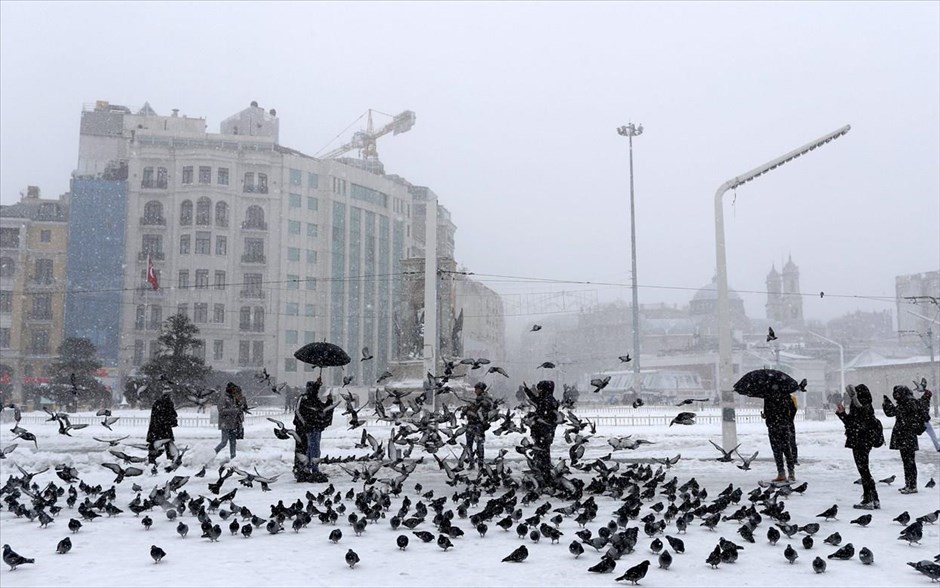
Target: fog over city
517 108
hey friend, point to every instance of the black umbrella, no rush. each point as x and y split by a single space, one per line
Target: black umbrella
322 354
767 382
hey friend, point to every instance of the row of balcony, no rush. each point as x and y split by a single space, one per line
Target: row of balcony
160 221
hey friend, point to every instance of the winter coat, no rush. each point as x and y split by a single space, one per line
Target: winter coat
312 413
545 413
477 412
862 428
231 410
779 411
162 420
910 414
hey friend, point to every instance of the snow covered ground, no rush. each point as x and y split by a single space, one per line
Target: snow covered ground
116 551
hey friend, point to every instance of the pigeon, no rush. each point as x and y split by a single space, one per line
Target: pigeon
547 365
402 542
904 518
347 380
829 513
336 535
745 464
638 403
683 418
599 383
770 334
866 556
862 520
146 522
844 552
13 559
352 558
575 549
931 483
444 542
606 565
808 542
688 401
657 545
366 356
74 525
930 518
183 529
714 558
773 535
725 455
424 536
819 565
637 572
835 539
385 375
790 553
156 553
246 530
665 559
924 566
498 370
624 358
913 533
677 544
518 555
535 328
64 546
234 527
810 528
889 479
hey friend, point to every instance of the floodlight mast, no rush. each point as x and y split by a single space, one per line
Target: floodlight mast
729 433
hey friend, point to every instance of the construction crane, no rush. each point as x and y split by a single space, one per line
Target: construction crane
364 141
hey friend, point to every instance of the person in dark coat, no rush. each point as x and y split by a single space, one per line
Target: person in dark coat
315 415
910 414
232 407
544 421
779 412
862 432
477 414
162 420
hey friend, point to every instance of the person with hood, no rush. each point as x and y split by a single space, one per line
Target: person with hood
544 421
314 416
162 420
863 431
232 406
779 412
477 414
910 421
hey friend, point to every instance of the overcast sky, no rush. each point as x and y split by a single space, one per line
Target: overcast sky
517 108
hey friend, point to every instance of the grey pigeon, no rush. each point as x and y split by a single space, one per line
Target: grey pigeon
866 556
156 553
64 546
352 558
913 533
402 542
862 520
829 513
683 418
183 529
790 553
518 555
844 552
924 566
665 559
636 573
835 539
575 549
819 565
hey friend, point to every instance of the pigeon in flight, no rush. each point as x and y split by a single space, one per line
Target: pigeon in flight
770 334
366 356
624 358
683 418
498 370
385 375
535 327
725 455
600 383
547 365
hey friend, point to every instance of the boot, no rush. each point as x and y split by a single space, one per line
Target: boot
780 478
792 476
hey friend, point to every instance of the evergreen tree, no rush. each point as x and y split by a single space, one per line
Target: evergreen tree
176 365
74 375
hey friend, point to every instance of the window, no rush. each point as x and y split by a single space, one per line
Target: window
309 337
290 364
310 310
202 279
244 318
257 322
313 180
200 312
311 283
140 320
188 174
45 236
7 267
184 244
182 309
221 245
183 282
223 176
249 183
138 352
205 174
39 342
218 313
312 203
294 200
217 349
262 183
293 227
244 348
252 285
9 238
221 214
203 243
156 317
293 282
186 212
147 178
293 254
339 186
290 337
203 211
369 195
292 309
296 177
312 230
257 353
254 218
199 349
42 273
219 280
311 256
4 338
152 245
42 306
153 213
162 178
6 301
254 250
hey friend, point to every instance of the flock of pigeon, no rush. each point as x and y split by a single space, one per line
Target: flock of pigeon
651 505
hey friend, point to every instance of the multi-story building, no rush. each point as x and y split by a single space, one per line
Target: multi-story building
263 247
33 241
784 301
918 296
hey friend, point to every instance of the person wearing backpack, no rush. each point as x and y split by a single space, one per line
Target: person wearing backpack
910 422
863 431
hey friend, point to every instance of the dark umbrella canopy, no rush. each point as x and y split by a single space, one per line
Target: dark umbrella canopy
765 382
322 354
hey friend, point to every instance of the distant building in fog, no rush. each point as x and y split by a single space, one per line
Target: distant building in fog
784 300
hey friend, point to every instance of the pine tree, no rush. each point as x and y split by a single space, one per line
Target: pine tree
73 374
176 364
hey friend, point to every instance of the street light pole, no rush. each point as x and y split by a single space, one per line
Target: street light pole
841 360
630 130
729 432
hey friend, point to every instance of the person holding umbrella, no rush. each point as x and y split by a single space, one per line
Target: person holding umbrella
779 412
314 416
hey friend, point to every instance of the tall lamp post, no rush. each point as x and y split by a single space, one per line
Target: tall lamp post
841 359
630 130
729 432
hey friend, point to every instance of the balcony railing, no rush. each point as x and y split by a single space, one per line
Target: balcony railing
254 225
150 221
156 255
253 258
153 184
249 293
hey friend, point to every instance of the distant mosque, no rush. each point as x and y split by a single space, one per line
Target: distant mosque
784 301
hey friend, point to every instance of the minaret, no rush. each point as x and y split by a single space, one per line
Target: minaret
792 300
774 304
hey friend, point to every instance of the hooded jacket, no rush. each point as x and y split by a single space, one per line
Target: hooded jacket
862 428
312 413
910 414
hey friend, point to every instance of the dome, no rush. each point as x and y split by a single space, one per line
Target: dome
710 292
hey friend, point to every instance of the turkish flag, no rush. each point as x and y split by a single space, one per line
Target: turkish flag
152 274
